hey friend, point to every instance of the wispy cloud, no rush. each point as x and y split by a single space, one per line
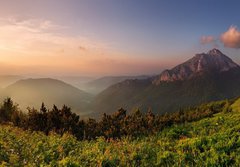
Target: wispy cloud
82 48
42 37
207 39
231 38
39 45
32 25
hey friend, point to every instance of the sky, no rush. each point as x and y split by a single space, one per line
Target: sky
112 37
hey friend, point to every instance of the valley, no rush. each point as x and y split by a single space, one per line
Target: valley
201 79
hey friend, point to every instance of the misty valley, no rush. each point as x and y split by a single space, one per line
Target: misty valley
183 116
203 78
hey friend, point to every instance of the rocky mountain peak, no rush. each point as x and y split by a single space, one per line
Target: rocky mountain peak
212 61
214 51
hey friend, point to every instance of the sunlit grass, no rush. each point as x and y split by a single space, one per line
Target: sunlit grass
211 141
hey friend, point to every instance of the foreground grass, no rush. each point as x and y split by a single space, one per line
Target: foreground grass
211 141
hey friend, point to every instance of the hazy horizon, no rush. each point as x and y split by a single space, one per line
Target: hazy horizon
108 38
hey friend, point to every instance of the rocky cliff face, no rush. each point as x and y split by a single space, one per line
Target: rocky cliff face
212 61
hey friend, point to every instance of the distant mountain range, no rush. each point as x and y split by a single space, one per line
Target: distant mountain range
6 80
203 78
77 81
98 85
32 92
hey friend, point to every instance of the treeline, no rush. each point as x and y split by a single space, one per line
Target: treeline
113 126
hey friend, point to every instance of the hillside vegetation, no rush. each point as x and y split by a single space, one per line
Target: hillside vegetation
213 140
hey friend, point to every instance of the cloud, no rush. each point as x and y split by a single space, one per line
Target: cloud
207 39
43 37
44 47
231 38
82 48
41 46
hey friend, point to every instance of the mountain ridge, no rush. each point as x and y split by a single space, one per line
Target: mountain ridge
168 96
98 85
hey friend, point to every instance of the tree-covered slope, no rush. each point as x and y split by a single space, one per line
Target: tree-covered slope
169 96
212 141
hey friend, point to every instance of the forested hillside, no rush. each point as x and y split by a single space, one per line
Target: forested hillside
207 135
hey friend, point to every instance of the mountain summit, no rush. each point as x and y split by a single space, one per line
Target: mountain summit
205 77
212 61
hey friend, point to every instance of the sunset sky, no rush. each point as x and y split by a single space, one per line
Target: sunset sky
112 37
